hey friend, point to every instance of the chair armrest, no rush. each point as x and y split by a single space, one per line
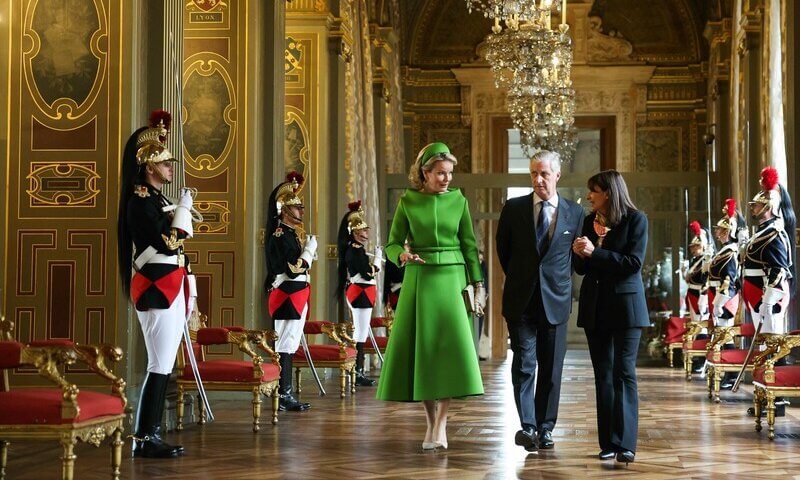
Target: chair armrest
339 333
692 329
721 336
778 346
48 360
262 338
6 327
97 357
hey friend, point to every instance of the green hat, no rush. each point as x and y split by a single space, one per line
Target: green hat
432 150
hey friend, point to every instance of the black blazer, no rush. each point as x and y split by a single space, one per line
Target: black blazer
612 293
524 269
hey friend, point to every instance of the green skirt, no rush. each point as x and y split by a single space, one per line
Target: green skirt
431 353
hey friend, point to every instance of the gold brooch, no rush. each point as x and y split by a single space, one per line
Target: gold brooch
141 190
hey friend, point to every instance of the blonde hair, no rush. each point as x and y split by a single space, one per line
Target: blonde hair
415 175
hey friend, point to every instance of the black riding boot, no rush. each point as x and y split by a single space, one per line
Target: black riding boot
146 443
286 401
361 379
161 401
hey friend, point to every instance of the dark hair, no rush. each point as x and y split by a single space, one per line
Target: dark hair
619 201
131 174
342 244
789 225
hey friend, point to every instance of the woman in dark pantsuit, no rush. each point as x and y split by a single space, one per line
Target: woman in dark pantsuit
612 308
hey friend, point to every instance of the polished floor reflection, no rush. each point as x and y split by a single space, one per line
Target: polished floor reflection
682 435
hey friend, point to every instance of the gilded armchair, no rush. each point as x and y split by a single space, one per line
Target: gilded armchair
770 380
340 354
252 375
64 413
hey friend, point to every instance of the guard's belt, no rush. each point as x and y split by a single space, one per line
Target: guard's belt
754 272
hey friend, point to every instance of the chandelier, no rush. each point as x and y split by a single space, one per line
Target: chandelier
515 12
533 62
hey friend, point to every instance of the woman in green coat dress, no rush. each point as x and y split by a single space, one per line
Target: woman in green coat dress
431 355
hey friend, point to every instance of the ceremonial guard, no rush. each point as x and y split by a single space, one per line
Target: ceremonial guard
392 283
723 269
697 273
290 253
154 270
357 279
768 262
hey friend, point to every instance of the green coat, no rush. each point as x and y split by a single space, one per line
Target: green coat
431 353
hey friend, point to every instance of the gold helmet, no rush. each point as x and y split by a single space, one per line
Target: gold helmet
356 218
287 193
700 236
728 220
151 142
770 194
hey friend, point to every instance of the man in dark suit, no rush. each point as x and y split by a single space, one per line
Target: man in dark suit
534 240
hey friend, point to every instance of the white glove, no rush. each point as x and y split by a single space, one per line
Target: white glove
377 260
310 250
191 282
702 304
772 295
182 219
719 301
480 299
742 236
186 199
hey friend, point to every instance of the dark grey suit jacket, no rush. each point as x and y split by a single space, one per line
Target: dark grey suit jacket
612 293
525 268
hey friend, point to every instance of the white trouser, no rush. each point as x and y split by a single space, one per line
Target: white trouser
289 333
361 323
162 329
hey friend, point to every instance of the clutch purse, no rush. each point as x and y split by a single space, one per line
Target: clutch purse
469 298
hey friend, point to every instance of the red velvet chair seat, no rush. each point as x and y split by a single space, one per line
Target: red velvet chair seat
42 406
785 376
377 322
676 327
699 344
735 356
324 353
381 341
230 371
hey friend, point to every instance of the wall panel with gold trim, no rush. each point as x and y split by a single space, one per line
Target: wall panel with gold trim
215 113
64 148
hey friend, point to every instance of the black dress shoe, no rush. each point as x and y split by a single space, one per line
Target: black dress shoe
364 381
546 439
287 403
152 447
157 435
606 454
625 456
780 411
526 438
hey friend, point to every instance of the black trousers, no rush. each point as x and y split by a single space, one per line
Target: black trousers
537 342
613 355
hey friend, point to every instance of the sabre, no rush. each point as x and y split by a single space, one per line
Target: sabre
747 358
375 344
198 381
311 364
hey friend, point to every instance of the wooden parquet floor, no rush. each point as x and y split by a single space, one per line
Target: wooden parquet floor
681 435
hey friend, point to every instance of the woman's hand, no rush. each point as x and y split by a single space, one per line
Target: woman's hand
407 257
583 247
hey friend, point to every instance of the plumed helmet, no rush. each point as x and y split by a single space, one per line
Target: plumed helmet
700 236
770 194
729 217
356 217
151 142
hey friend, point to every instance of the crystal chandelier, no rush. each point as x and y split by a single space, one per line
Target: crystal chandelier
534 65
516 12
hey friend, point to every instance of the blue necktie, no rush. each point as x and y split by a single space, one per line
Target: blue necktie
542 226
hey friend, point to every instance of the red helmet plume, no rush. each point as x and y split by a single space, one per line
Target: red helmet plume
695 227
295 176
769 178
730 207
354 206
159 116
